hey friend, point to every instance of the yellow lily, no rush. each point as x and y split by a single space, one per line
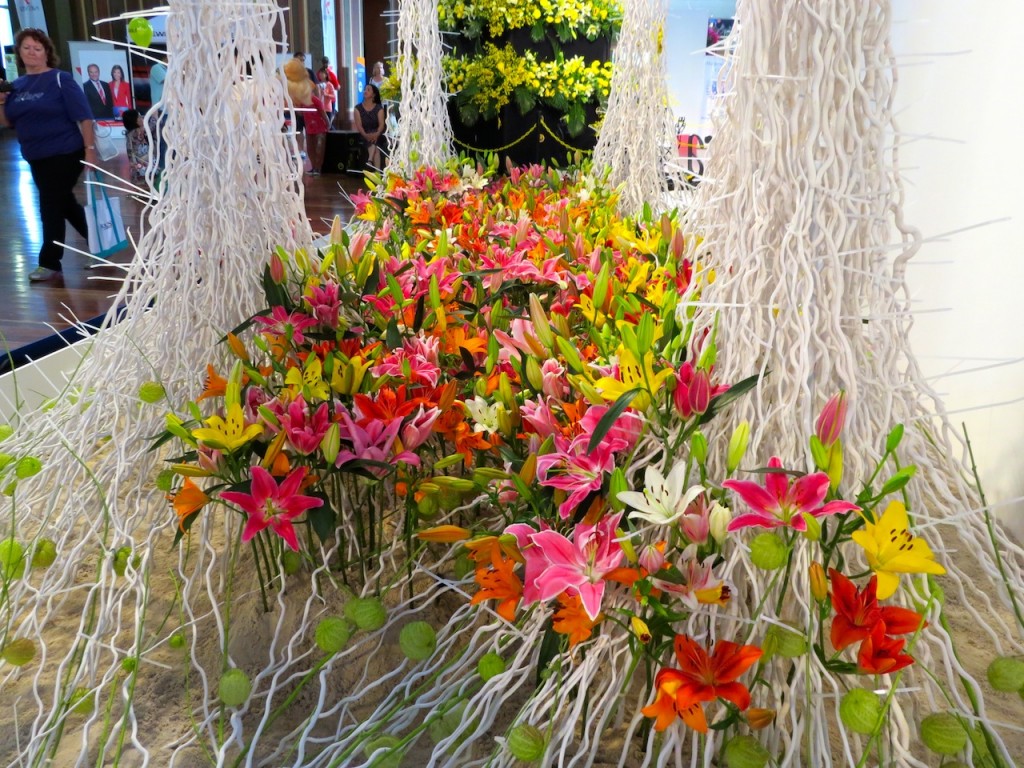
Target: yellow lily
634 374
892 549
309 382
229 433
348 378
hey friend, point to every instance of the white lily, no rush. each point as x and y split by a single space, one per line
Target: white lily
663 500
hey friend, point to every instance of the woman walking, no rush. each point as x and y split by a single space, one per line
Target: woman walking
53 122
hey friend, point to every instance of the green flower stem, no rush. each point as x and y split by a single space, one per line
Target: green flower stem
892 691
990 527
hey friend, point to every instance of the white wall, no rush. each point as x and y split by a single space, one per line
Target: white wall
968 288
685 37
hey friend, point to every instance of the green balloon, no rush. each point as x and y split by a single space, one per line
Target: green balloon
140 31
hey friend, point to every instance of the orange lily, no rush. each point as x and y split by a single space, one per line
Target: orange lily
216 385
499 582
188 501
702 677
572 620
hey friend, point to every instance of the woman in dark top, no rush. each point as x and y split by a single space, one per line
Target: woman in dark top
371 119
53 122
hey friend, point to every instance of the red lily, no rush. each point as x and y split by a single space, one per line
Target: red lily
880 654
858 612
702 677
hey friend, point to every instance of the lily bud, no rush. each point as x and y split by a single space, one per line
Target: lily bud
832 418
331 443
835 465
336 230
616 485
738 445
719 517
699 447
651 558
640 629
819 582
444 534
276 269
533 374
813 530
759 717
700 392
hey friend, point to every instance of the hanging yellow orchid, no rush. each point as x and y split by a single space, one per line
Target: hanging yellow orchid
891 549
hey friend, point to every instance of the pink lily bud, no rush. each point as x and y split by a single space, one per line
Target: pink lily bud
651 558
833 416
336 230
681 392
700 392
357 244
276 269
678 244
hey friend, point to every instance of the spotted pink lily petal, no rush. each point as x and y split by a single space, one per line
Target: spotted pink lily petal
273 506
780 503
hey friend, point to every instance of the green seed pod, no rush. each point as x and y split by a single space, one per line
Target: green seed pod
943 733
44 554
787 643
390 757
27 466
444 726
129 665
490 664
859 710
291 561
19 652
768 551
417 641
527 743
121 557
366 612
12 559
1006 674
332 634
6 430
427 507
151 392
745 752
177 640
5 459
165 480
234 687
81 702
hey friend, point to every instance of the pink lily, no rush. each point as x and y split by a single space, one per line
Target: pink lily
780 504
418 429
579 564
305 430
573 468
622 436
374 443
325 303
271 505
289 325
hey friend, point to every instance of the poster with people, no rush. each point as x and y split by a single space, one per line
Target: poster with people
104 74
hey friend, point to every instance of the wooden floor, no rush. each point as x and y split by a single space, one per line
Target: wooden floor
30 313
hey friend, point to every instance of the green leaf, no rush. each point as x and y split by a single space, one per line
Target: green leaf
392 336
276 294
525 99
417 321
734 392
323 519
610 417
550 647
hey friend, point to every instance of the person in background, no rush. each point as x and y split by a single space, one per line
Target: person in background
370 121
120 91
377 78
136 144
325 66
317 126
157 75
52 120
101 101
328 94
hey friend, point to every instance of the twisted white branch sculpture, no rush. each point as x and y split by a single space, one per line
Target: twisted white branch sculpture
801 212
425 131
232 192
637 132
